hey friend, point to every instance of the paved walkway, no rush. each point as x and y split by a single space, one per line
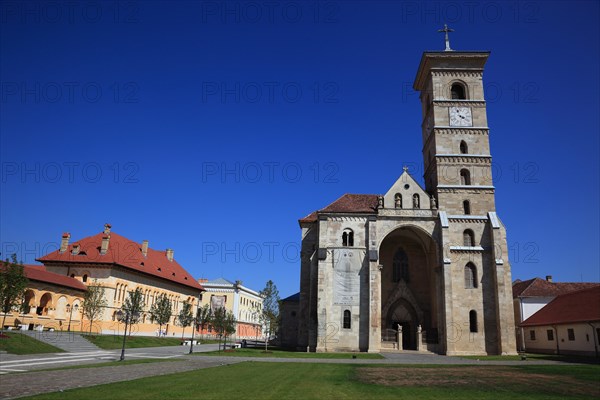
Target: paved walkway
37 382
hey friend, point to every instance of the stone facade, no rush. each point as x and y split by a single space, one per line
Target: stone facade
429 262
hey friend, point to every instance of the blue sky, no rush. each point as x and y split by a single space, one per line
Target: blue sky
211 127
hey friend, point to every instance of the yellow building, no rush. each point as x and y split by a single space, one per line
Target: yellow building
244 303
52 301
121 265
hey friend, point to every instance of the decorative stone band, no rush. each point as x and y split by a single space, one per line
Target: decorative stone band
476 73
443 159
466 187
466 248
400 212
458 103
468 218
476 130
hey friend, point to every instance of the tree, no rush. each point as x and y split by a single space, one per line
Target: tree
13 283
223 322
160 312
185 317
218 322
93 302
204 317
269 314
133 306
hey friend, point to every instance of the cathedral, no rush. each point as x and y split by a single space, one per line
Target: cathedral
416 268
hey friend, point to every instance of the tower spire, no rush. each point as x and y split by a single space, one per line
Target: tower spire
446 30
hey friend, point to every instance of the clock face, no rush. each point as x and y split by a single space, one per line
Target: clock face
460 116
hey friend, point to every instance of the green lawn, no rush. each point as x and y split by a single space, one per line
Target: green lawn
16 343
110 342
343 381
109 364
273 352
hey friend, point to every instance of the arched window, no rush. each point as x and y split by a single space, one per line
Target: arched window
400 267
468 238
398 200
470 276
465 177
467 207
416 201
348 238
473 321
457 92
347 319
464 149
85 278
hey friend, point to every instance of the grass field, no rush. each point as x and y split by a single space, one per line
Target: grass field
273 352
110 364
111 342
16 343
342 381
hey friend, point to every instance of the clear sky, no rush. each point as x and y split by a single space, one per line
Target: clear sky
212 127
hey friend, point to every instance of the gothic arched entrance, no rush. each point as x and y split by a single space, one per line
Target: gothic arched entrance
403 315
410 287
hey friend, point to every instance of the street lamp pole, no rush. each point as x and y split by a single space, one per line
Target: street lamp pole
124 337
76 306
127 317
195 323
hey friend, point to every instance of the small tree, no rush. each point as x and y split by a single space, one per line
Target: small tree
160 311
93 302
204 317
13 283
133 304
218 322
185 317
269 314
229 326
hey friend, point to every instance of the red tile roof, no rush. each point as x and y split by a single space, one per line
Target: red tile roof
38 273
538 287
348 203
125 253
579 306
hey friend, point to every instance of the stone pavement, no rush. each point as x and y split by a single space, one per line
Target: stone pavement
37 382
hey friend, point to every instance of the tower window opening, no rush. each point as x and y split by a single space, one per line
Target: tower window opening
470 276
464 149
467 207
465 177
468 238
457 92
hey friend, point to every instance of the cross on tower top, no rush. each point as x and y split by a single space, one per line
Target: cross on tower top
446 30
405 168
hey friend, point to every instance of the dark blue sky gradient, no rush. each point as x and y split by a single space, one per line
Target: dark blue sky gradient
131 116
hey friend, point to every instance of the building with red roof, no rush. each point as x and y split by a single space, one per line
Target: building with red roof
532 295
122 265
49 299
569 324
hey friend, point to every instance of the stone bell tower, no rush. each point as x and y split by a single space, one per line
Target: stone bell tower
458 173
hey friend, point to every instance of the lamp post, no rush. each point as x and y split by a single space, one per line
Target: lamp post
70 309
128 318
195 323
